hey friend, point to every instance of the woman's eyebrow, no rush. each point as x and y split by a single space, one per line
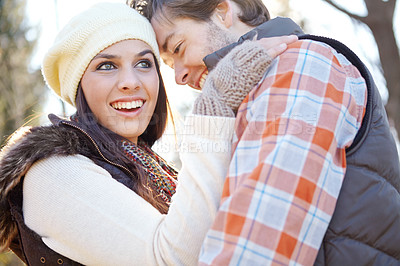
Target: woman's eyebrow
107 56
111 56
147 51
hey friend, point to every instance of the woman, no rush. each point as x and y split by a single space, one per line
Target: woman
89 190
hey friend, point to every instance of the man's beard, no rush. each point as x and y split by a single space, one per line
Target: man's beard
217 38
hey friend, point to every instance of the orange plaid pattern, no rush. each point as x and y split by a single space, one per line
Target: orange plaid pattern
289 160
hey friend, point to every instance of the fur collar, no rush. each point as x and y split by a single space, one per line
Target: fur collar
25 147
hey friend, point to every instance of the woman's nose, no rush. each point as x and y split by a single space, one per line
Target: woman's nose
128 79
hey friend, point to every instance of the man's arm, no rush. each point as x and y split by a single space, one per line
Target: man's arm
289 161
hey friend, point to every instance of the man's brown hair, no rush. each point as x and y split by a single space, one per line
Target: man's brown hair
253 12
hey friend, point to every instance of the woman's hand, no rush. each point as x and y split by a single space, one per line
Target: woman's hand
276 45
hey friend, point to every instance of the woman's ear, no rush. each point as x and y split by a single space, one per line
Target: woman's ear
224 13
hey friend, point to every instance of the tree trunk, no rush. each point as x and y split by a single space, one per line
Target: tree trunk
380 22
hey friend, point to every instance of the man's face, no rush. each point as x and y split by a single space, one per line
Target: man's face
183 44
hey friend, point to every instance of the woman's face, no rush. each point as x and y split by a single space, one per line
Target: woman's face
121 87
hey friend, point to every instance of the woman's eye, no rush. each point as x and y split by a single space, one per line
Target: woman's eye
144 64
105 66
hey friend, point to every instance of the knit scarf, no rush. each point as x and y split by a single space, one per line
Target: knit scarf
162 176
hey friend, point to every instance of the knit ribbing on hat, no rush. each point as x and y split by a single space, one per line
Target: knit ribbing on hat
233 78
84 37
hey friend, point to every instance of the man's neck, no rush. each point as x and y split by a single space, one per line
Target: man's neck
239 29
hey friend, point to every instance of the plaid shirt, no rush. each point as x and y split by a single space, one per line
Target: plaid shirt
289 160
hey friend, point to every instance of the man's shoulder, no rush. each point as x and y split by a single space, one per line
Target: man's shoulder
305 62
306 54
311 48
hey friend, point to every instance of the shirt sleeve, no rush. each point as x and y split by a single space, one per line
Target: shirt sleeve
81 212
289 160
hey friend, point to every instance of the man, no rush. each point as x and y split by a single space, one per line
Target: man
314 175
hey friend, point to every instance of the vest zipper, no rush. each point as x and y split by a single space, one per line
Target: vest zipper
97 147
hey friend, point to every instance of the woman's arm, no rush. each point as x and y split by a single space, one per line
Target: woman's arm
83 213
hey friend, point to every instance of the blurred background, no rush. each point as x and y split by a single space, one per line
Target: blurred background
27 29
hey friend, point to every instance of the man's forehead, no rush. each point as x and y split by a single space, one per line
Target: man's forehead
162 17
168 28
164 33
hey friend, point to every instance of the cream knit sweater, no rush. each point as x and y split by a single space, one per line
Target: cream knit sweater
81 212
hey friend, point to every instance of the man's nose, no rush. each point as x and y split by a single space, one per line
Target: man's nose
181 75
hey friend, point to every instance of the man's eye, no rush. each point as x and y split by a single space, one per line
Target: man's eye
177 48
105 66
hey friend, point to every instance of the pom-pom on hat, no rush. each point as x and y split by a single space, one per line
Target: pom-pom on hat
84 37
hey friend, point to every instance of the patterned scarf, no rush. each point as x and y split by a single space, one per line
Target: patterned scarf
162 176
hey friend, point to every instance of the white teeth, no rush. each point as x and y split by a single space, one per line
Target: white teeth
138 104
127 105
203 79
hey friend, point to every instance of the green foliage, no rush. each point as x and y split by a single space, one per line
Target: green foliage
21 89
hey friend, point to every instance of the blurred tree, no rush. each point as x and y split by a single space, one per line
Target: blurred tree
21 88
282 8
380 21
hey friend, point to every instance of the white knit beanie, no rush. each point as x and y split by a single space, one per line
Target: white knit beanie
84 37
